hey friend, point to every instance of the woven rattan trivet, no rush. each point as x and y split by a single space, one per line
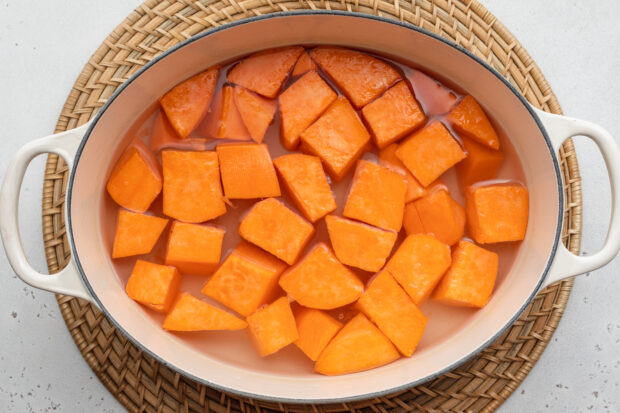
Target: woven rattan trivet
141 383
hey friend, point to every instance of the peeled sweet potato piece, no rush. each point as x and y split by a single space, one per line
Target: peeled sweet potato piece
482 163
418 264
194 248
338 137
153 285
192 314
352 243
186 103
470 280
320 281
393 115
224 121
304 64
165 137
256 112
430 152
389 160
316 328
276 229
247 171
301 104
272 327
377 196
192 190
412 221
358 346
469 119
441 216
136 233
360 76
306 183
136 179
391 309
497 213
265 72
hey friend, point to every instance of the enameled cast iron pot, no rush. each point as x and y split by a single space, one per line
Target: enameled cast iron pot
92 149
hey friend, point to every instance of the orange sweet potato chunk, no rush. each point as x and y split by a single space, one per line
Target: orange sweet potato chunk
316 328
192 190
338 137
430 152
276 229
391 309
306 183
301 104
224 121
245 280
441 216
377 196
265 72
194 248
497 213
359 245
470 280
389 160
256 112
186 103
136 233
272 327
393 115
360 76
412 221
482 163
247 171
136 178
358 346
418 264
469 119
320 281
153 285
304 64
192 314
164 137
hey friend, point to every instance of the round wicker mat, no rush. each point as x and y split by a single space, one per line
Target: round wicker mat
141 383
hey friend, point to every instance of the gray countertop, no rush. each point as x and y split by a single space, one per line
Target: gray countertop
43 46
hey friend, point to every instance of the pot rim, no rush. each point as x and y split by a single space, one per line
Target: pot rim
165 54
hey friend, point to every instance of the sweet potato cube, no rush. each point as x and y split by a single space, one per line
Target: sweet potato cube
412 221
306 183
316 328
430 152
153 285
377 196
191 314
224 121
338 137
194 248
469 119
470 280
320 281
359 245
358 346
389 160
247 171
136 233
265 72
256 112
393 115
272 327
301 104
304 64
245 280
136 178
497 213
165 137
391 309
276 229
418 264
192 190
482 163
360 76
441 216
186 103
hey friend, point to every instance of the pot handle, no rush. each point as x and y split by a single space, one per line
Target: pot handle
66 281
560 128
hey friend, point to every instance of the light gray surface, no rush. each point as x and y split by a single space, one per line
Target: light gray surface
43 46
